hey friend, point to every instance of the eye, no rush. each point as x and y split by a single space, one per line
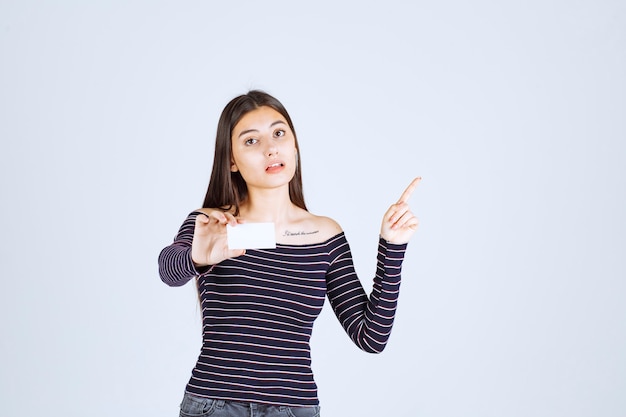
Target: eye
280 133
250 141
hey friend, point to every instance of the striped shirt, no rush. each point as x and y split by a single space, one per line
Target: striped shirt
258 312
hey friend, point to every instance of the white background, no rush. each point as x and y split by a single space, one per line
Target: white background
514 296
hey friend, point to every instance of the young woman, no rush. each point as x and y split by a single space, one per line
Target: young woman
259 305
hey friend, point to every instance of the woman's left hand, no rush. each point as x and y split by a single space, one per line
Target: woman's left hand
399 223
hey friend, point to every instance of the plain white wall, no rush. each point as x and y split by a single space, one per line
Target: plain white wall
513 300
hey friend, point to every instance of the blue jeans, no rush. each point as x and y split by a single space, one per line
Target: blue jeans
193 406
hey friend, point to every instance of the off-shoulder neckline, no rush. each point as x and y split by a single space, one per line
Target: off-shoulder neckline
304 245
292 245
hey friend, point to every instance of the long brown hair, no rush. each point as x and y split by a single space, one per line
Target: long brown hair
228 189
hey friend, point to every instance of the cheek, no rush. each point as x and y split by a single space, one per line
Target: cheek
246 160
289 146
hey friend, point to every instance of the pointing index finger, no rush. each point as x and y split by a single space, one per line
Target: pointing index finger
409 190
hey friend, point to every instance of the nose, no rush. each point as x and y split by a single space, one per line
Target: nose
272 150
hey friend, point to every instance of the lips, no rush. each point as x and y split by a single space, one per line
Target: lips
275 167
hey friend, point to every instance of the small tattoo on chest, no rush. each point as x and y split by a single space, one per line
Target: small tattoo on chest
299 233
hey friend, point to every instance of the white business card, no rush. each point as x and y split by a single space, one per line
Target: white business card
251 236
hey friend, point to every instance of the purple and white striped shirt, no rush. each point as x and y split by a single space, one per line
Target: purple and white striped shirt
258 312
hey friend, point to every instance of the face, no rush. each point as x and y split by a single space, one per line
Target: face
263 149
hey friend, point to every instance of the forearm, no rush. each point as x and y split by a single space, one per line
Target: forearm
367 320
375 327
175 265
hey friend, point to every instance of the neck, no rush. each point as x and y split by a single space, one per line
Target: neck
267 205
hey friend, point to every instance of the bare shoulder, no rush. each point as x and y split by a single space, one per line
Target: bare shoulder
308 228
327 226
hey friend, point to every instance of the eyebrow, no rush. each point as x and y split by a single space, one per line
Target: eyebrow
277 122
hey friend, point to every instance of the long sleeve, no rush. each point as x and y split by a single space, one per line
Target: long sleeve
367 320
175 265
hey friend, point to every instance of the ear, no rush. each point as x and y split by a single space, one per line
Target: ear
233 166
